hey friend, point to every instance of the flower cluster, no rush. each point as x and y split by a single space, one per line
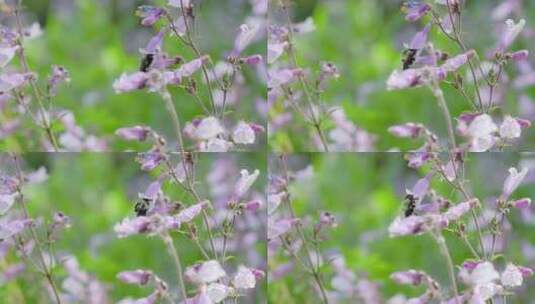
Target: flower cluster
27 103
213 86
227 228
33 242
429 213
300 89
425 65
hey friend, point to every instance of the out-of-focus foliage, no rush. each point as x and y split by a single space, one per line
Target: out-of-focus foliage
365 192
364 39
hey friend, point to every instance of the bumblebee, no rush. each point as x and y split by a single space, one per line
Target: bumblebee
142 207
409 58
410 201
146 62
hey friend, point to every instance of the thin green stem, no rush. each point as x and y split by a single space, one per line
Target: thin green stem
439 238
176 259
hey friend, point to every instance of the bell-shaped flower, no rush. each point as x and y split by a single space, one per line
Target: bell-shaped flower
139 276
139 133
245 182
244 278
512 182
243 134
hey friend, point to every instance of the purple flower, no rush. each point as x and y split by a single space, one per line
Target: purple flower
418 158
6 202
207 272
456 212
419 40
409 130
149 14
189 214
139 133
13 227
409 277
280 227
132 226
10 81
7 54
11 272
512 182
245 182
141 277
244 278
60 220
327 219
421 188
417 11
127 83
520 55
252 60
187 69
523 203
512 31
275 50
59 75
151 159
152 190
407 226
8 185
253 205
243 134
244 38
453 64
155 43
404 79
283 77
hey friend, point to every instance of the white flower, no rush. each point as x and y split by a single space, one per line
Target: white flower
210 271
484 273
217 292
216 145
511 276
274 200
482 144
6 201
510 128
208 128
483 292
482 126
243 134
512 182
6 54
246 181
244 278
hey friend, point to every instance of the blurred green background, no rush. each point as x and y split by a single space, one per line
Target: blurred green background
98 190
99 40
364 39
365 192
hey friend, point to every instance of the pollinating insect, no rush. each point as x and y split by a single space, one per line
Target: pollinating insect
410 201
409 58
146 62
142 206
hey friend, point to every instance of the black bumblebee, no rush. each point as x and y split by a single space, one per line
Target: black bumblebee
410 208
142 206
409 58
146 62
